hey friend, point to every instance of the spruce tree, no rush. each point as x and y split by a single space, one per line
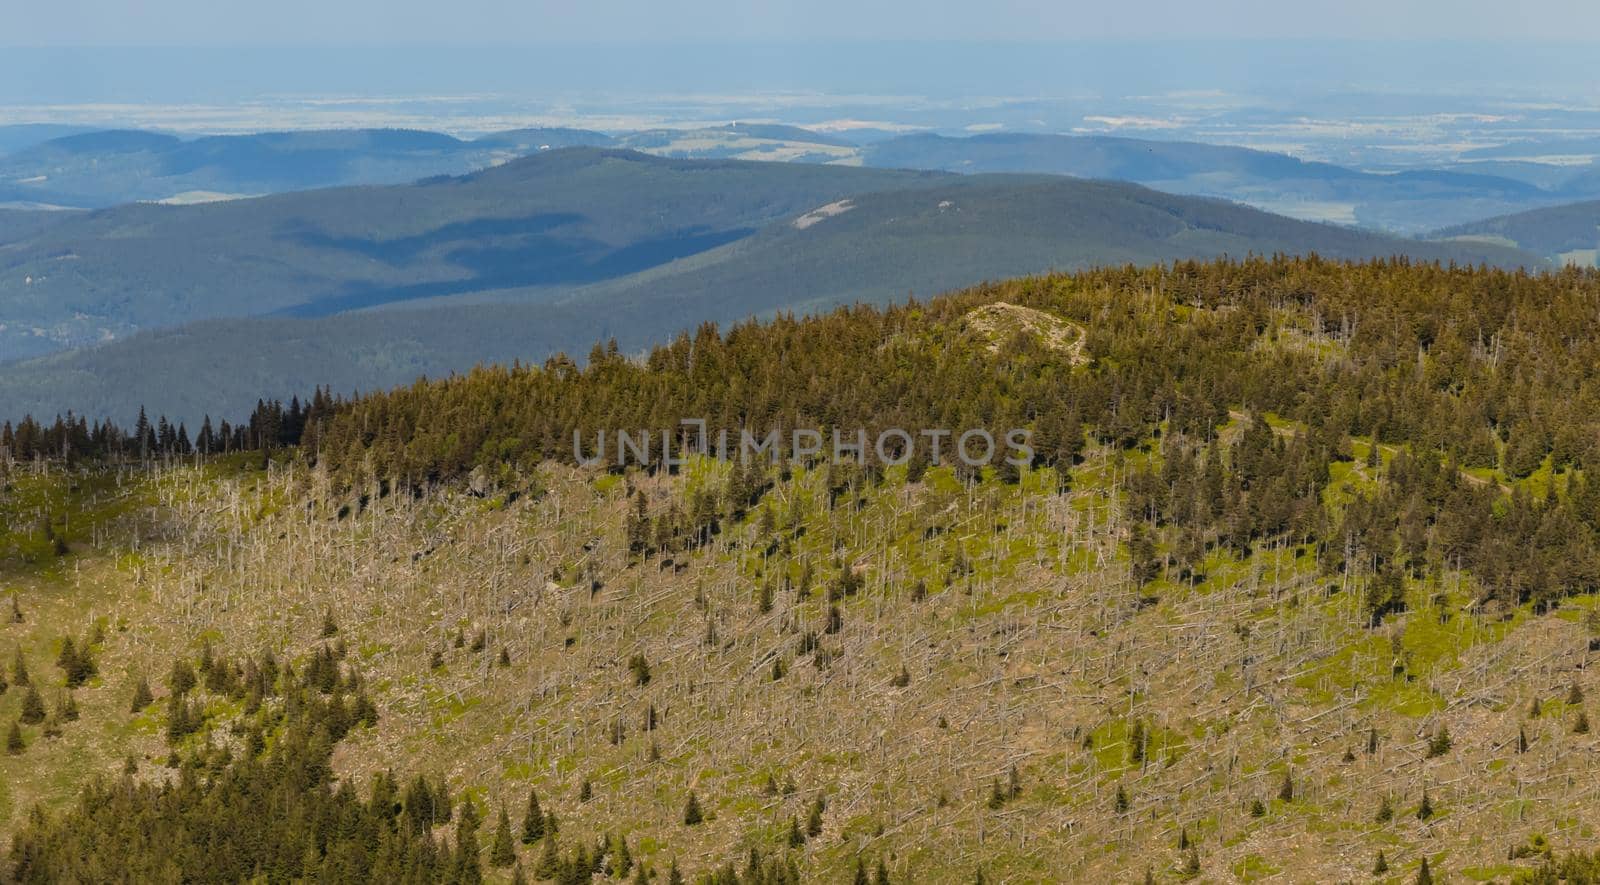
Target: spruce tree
532 820
19 669
1425 810
14 742
141 695
1380 866
32 707
692 814
1440 743
549 860
1424 875
503 853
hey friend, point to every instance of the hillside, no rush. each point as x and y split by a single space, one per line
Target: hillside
1568 234
940 233
557 219
1409 202
879 247
99 169
1301 584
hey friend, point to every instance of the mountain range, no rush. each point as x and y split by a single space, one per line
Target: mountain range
101 169
204 308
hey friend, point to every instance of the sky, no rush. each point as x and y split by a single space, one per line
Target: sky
542 22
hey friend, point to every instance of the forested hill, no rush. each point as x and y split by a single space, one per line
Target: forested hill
559 219
1568 234
372 288
1302 581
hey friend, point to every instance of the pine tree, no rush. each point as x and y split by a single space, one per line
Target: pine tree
503 854
32 707
141 695
549 860
532 820
19 669
640 668
1440 743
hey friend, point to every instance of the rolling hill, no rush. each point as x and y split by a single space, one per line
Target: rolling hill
98 169
1568 234
558 219
1412 201
827 247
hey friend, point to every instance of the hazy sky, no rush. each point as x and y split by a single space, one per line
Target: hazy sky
323 22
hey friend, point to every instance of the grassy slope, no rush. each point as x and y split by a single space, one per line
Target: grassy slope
1042 656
